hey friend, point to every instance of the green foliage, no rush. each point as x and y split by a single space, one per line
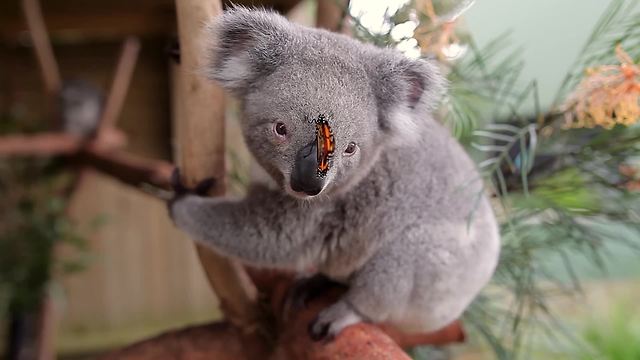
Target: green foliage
557 214
32 222
559 193
614 338
484 87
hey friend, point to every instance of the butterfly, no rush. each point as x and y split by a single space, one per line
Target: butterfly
326 144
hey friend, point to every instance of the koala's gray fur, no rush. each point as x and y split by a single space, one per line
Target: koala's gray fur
81 105
403 221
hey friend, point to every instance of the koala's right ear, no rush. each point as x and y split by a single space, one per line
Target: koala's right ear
245 45
406 91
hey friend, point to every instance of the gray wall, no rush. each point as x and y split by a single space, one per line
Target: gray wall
551 33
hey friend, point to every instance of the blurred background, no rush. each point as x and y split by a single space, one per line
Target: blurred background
545 95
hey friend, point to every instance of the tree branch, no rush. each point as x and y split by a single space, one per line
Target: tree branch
100 154
54 144
129 169
221 341
45 144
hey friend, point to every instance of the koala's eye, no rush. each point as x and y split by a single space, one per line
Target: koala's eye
351 149
280 129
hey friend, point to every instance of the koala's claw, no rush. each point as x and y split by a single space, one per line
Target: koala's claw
320 331
201 189
180 189
330 321
176 182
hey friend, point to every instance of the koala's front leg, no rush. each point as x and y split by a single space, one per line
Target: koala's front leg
264 229
380 288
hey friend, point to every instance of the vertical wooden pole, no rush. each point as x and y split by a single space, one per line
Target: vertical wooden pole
45 349
200 127
332 14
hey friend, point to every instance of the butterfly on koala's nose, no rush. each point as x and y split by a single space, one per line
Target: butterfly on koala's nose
326 144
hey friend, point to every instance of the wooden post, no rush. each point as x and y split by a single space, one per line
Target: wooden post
42 46
199 116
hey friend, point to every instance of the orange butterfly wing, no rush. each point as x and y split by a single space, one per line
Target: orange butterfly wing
326 145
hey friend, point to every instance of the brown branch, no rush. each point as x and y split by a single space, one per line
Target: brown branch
101 155
331 15
42 45
46 144
120 85
360 341
221 341
54 144
129 169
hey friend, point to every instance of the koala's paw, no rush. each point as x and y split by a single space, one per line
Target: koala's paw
330 321
180 189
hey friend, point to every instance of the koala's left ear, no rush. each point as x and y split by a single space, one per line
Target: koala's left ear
406 91
244 45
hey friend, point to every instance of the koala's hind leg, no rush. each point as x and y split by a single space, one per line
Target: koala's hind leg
377 292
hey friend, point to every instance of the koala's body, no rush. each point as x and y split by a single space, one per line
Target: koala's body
400 216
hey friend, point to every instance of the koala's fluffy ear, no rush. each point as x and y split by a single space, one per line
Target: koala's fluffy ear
245 45
406 91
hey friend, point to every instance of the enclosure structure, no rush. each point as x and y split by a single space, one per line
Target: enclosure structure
153 274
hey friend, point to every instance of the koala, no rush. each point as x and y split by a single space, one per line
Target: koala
81 105
399 216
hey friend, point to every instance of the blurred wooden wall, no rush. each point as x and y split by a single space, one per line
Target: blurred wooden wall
143 276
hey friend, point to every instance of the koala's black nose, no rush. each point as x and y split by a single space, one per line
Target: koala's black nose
304 177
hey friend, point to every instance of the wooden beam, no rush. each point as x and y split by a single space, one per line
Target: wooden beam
42 46
73 27
120 84
102 154
45 144
200 127
55 143
87 20
127 168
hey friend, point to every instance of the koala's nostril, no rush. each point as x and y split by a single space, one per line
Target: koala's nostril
313 192
304 175
295 185
310 188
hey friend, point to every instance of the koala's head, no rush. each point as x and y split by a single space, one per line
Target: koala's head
289 76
